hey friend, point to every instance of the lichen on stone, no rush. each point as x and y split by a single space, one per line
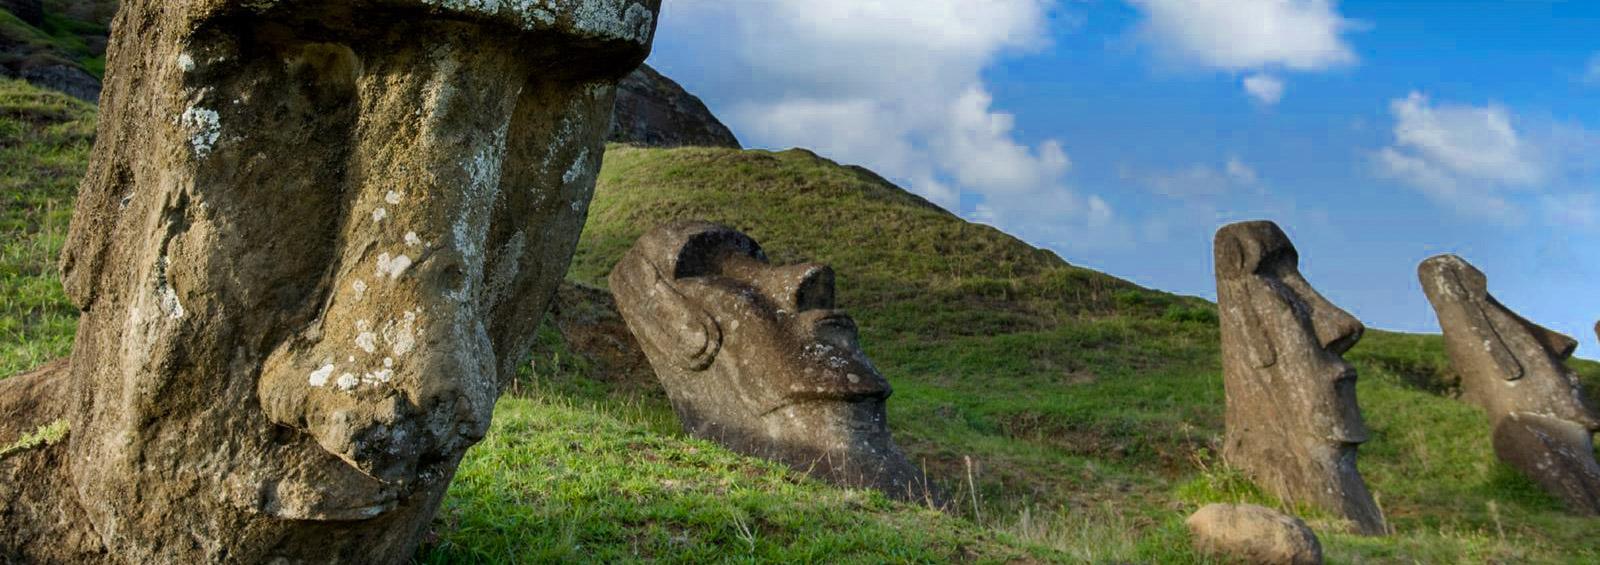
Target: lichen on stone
45 436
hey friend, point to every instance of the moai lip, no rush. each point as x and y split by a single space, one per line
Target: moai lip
1515 370
1293 424
756 357
314 240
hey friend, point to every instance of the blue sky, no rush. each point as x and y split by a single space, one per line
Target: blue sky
1122 133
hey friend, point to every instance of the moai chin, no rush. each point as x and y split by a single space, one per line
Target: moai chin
314 240
757 358
1293 424
1515 370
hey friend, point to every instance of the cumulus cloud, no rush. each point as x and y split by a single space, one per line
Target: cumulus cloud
1243 36
1197 182
1265 88
1481 162
895 85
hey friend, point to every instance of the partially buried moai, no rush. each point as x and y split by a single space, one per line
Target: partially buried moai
314 242
1515 370
1293 424
757 358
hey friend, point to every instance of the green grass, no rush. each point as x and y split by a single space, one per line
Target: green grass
44 144
59 38
1074 416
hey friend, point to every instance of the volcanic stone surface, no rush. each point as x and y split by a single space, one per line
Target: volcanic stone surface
1253 534
314 240
757 358
1516 371
654 111
1293 424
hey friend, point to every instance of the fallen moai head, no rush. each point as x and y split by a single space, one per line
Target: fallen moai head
314 241
756 357
1516 371
1293 423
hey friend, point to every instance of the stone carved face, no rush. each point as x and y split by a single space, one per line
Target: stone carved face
1507 363
1292 336
316 237
757 357
1515 370
1292 417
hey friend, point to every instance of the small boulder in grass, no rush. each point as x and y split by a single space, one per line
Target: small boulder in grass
1254 534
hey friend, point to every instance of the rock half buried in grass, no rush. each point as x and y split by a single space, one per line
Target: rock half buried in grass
756 357
1253 534
1293 424
313 244
1516 371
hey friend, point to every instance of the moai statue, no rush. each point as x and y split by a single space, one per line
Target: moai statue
313 244
1293 424
755 357
1515 370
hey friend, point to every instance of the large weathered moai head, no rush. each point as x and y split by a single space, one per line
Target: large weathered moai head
314 243
1293 423
756 357
1516 371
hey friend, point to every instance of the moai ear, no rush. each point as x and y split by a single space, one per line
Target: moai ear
696 336
1488 320
1235 265
661 317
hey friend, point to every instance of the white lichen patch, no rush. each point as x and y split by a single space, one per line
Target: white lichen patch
347 382
403 338
379 215
579 168
170 303
205 129
319 378
392 267
185 62
360 288
393 198
412 240
368 342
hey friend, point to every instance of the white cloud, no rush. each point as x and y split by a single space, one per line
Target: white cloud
1241 172
1485 162
1198 182
1466 157
894 85
1249 36
1265 88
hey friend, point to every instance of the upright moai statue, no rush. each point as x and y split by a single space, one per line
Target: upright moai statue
1293 424
757 358
1516 371
313 244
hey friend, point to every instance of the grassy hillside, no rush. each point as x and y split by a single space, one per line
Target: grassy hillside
1083 409
72 32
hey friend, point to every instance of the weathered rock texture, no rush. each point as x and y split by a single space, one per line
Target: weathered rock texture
654 111
755 357
1253 534
1515 370
1293 424
313 243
